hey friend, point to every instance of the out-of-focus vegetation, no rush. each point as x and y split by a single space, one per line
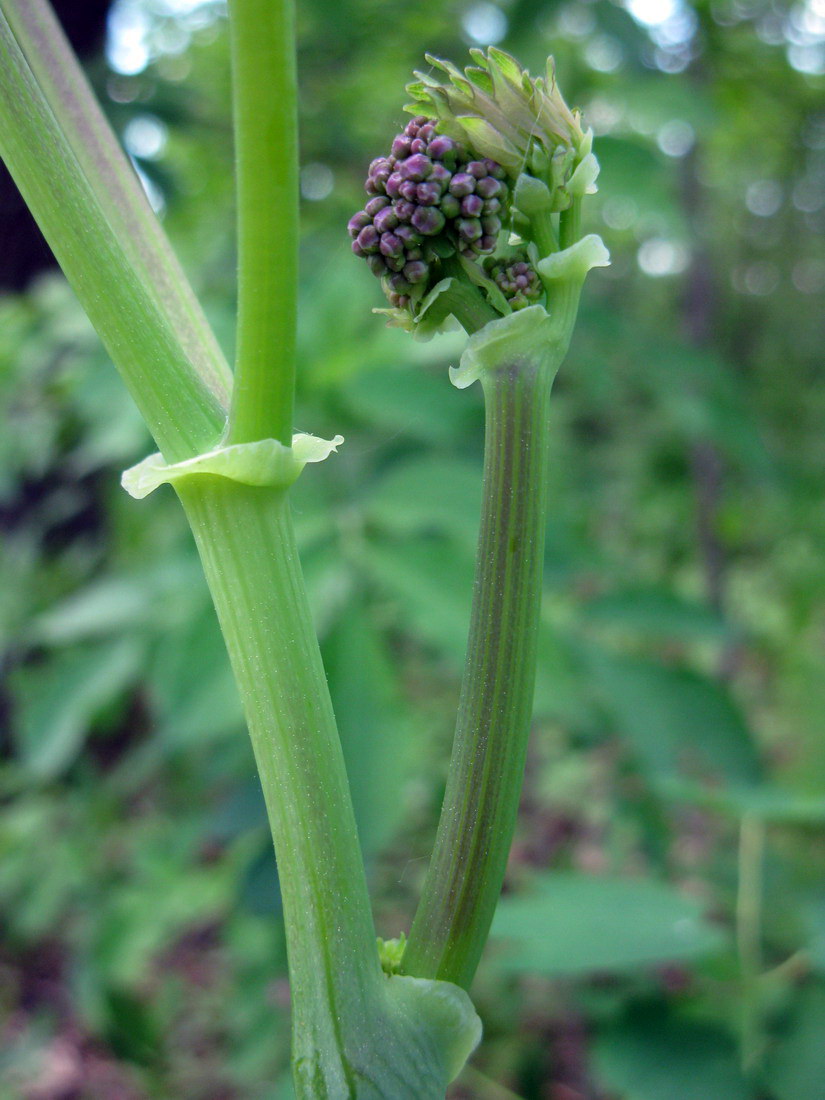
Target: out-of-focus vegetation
662 933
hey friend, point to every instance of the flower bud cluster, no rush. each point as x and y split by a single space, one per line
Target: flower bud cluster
428 200
516 278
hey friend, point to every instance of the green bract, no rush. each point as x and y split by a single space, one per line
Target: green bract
266 462
511 339
500 111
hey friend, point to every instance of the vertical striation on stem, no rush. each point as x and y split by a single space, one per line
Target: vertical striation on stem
486 771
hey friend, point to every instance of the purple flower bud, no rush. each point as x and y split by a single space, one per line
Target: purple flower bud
416 168
401 147
429 220
440 147
418 145
404 210
386 219
414 254
368 238
469 229
357 249
394 263
427 131
488 243
492 206
471 206
377 265
488 188
477 168
416 271
462 184
416 123
392 185
450 206
408 235
440 174
407 190
357 223
379 172
376 204
495 169
399 284
490 224
428 193
390 245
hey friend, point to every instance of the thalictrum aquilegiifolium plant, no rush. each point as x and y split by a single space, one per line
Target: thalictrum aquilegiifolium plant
473 217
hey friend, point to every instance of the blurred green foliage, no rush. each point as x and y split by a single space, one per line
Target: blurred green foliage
664 916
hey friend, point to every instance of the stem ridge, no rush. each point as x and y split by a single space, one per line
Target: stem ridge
481 801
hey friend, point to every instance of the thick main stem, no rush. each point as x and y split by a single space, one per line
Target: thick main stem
180 406
115 184
246 543
264 92
486 772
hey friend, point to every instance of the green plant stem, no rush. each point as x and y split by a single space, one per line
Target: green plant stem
464 300
266 151
481 801
357 1035
113 181
749 937
246 543
570 224
544 234
182 412
478 817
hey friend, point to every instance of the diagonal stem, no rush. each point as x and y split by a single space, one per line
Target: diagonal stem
183 413
112 179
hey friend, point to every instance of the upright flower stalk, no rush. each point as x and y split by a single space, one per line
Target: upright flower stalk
526 271
264 81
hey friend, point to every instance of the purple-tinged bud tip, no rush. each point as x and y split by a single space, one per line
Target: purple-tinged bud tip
469 229
357 223
386 219
368 238
390 245
416 272
440 147
462 184
428 194
428 220
471 206
488 188
376 204
416 168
